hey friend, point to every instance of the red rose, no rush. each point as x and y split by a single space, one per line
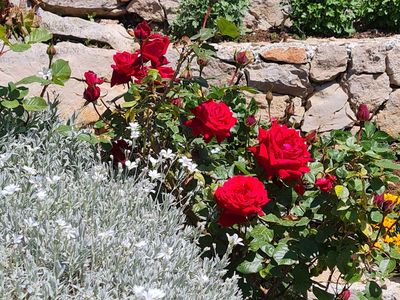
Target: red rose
126 65
119 151
212 119
282 152
154 50
345 295
166 72
142 31
363 113
325 184
92 79
239 198
91 93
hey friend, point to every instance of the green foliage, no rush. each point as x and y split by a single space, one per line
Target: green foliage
191 15
344 17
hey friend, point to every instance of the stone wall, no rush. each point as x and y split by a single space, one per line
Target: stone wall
320 81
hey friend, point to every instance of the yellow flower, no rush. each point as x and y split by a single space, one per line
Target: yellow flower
395 199
388 223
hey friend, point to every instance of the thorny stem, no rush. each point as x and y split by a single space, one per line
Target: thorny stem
99 114
233 76
207 15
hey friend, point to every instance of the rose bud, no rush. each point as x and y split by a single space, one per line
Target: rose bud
269 97
202 62
243 58
177 102
51 51
363 113
325 184
91 93
345 295
378 200
251 121
387 206
311 137
186 74
299 188
142 31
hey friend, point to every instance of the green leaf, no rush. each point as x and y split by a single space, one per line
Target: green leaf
387 164
227 28
61 71
10 104
87 137
64 129
38 35
34 104
321 294
204 34
373 291
3 35
33 79
283 256
251 267
261 236
342 192
19 47
386 266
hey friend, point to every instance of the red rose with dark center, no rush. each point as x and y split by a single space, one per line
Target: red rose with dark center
154 50
91 93
119 151
166 72
126 65
325 184
239 198
92 79
142 31
282 153
212 119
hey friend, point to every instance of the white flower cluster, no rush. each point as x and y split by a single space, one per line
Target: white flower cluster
67 227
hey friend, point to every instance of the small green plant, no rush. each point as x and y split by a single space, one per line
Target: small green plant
384 15
192 15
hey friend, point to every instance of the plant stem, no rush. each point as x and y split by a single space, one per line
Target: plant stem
207 15
233 76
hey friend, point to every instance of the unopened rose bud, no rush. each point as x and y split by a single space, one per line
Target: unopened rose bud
269 97
378 200
177 102
363 113
311 137
251 121
345 295
202 61
51 51
387 206
290 109
186 74
243 58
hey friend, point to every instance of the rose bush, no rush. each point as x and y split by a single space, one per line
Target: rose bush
292 206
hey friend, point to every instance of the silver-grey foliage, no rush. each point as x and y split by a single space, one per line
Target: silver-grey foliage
68 231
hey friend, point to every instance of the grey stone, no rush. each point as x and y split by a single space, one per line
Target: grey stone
371 89
81 59
82 8
264 14
328 109
369 58
328 62
154 10
283 79
387 119
393 66
112 34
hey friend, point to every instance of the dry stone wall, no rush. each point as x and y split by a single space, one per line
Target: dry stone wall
321 81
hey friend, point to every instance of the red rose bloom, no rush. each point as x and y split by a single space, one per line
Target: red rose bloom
92 79
240 197
126 65
212 119
166 72
345 295
282 152
325 184
119 150
91 93
154 50
142 31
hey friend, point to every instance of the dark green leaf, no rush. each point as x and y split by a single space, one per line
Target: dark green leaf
60 71
34 104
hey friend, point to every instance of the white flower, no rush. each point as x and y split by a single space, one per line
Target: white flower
188 164
10 189
215 150
41 194
126 244
141 244
61 222
167 154
30 222
150 294
68 230
204 278
234 240
131 164
166 253
106 234
153 161
29 170
154 175
17 239
135 130
53 180
46 73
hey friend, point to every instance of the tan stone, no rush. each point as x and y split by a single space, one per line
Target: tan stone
83 8
154 10
264 14
328 62
388 119
393 66
328 109
371 89
369 58
290 55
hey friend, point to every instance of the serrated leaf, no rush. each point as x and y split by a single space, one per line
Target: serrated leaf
10 104
33 79
61 71
227 28
387 164
34 104
38 35
19 47
251 267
